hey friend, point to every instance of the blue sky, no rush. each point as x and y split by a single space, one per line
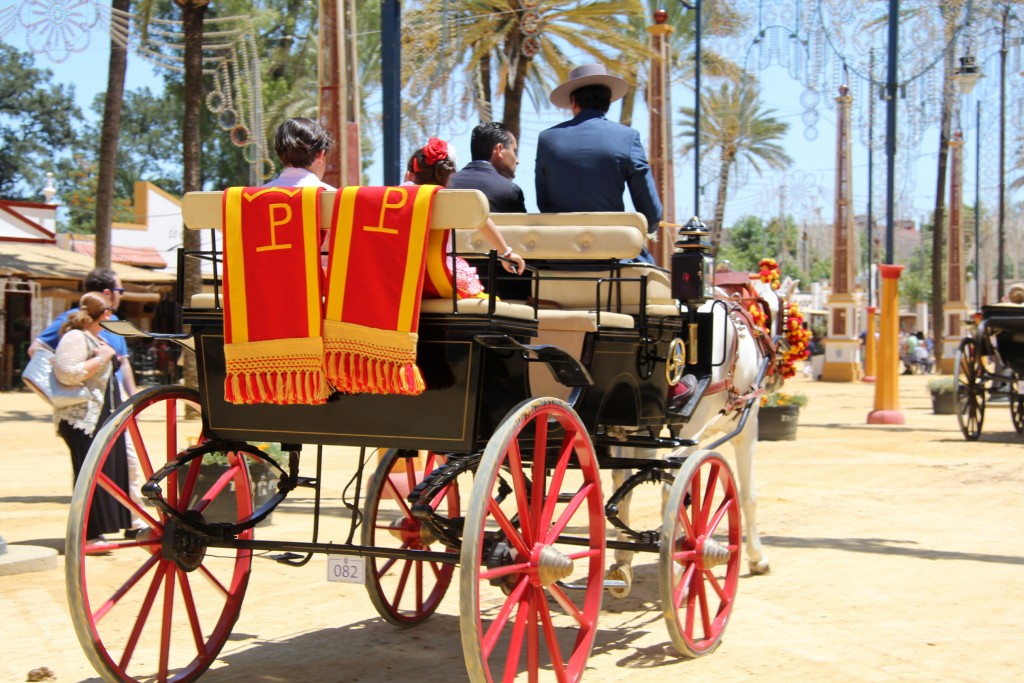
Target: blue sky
805 189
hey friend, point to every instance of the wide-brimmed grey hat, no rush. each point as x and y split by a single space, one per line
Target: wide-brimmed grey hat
588 74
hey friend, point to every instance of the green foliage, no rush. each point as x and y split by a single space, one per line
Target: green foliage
36 125
750 239
915 281
78 179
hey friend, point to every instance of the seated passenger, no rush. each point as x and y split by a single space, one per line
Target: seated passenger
434 164
492 169
302 145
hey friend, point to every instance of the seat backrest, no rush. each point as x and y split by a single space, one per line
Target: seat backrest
565 236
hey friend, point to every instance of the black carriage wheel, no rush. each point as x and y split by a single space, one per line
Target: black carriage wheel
156 606
969 385
405 591
1016 406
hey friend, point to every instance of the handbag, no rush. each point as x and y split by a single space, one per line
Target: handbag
38 376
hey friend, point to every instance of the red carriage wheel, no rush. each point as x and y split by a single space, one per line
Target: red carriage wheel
405 591
1016 406
157 606
969 386
533 549
699 565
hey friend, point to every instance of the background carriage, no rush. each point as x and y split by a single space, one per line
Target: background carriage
991 363
495 468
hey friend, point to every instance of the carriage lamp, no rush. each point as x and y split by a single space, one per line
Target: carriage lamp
693 264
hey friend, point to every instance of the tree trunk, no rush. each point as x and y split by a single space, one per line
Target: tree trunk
938 217
723 184
485 98
112 105
629 100
514 90
192 14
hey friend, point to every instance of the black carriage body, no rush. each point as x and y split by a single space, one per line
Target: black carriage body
1004 327
470 388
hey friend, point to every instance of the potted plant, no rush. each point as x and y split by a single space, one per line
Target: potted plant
778 416
264 480
943 395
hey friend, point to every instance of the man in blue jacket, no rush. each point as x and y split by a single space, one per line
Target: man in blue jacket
584 164
493 147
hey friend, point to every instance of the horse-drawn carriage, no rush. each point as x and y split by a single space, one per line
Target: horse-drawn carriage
495 467
991 362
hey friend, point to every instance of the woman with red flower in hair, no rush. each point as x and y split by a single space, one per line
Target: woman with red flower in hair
434 164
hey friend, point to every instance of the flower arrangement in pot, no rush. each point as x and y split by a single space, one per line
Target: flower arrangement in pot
777 418
943 392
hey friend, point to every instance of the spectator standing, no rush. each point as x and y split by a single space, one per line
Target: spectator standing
495 157
106 282
82 357
584 164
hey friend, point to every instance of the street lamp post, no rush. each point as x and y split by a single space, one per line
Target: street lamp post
696 104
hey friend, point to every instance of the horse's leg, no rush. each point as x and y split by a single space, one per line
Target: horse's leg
622 568
745 445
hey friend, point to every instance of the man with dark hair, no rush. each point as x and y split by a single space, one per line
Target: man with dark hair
585 163
302 145
493 148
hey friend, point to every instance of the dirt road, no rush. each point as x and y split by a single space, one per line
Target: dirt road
897 554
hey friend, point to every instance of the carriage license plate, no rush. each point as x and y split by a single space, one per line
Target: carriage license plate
346 569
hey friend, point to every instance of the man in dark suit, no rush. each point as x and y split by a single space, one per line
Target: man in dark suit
585 163
493 148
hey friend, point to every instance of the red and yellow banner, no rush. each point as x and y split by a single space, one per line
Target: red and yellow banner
374 283
272 296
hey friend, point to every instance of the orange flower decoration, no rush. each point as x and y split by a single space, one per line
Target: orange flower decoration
768 272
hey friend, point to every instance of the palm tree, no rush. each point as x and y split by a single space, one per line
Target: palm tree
114 99
736 126
486 38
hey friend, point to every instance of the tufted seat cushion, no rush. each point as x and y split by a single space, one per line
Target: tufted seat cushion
477 307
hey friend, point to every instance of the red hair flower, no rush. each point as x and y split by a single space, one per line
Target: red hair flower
435 150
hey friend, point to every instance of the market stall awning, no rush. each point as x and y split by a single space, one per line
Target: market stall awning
24 259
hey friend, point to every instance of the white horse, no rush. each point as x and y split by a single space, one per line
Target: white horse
734 383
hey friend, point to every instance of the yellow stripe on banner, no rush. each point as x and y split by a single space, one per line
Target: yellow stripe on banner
340 252
233 245
311 256
437 256
414 257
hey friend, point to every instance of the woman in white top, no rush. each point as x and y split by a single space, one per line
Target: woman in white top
302 145
83 358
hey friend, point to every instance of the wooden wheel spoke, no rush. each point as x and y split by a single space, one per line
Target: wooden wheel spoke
695 505
550 637
702 600
515 466
132 581
399 498
108 485
567 605
557 477
140 620
723 509
403 580
505 570
515 646
141 451
688 527
570 510
506 526
682 591
190 610
539 473
166 623
493 632
716 586
709 495
214 581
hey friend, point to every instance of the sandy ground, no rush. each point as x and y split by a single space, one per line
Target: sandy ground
896 555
